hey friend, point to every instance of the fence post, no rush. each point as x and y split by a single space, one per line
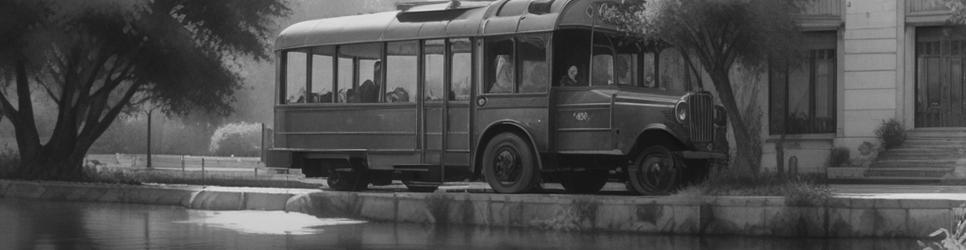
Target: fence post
182 163
202 171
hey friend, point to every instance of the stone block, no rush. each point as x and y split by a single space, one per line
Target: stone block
839 222
890 222
688 219
499 213
794 221
862 203
621 217
887 203
29 190
414 211
748 220
209 200
649 218
863 222
926 203
923 221
266 201
548 215
480 212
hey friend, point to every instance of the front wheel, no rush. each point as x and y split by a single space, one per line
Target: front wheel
509 164
655 171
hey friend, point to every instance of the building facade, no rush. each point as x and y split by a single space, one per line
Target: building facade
868 61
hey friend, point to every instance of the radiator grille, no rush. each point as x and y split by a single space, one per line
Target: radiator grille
701 112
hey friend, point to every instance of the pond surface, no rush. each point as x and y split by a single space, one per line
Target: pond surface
34 224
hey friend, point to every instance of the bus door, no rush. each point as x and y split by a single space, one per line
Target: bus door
445 109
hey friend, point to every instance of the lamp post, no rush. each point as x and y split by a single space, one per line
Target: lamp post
149 136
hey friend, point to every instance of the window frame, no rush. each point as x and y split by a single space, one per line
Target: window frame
812 122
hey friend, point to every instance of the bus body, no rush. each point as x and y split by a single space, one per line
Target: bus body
518 92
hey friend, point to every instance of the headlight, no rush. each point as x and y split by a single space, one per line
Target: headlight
720 116
681 111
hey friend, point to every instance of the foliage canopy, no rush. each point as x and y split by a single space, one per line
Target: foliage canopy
94 58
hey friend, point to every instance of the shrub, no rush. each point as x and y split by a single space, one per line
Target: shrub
891 133
798 190
839 157
240 139
9 159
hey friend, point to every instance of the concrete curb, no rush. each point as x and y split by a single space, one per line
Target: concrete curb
759 216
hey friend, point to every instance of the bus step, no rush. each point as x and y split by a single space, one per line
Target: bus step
413 168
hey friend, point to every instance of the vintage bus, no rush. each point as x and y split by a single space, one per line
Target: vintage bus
516 92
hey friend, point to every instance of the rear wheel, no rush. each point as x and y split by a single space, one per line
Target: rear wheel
655 171
351 178
509 164
583 182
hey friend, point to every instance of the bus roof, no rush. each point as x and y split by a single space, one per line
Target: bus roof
454 19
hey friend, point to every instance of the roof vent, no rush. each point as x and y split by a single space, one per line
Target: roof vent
540 7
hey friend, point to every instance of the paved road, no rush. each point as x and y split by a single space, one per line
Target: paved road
33 224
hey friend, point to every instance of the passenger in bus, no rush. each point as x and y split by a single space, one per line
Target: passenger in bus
397 95
369 90
504 75
571 78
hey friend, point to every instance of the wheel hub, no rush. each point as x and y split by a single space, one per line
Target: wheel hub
507 162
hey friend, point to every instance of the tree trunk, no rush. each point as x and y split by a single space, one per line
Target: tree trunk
745 161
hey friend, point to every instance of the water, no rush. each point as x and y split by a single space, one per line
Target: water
32 224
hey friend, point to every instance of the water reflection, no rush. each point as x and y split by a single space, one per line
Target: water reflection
28 224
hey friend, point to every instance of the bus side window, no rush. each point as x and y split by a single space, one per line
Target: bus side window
359 79
532 52
571 52
461 58
433 70
401 71
627 63
499 66
295 74
650 72
675 74
346 68
602 72
322 75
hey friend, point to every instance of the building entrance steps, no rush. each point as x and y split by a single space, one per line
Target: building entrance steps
927 154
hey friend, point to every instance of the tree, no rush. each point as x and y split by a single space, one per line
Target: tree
718 35
93 59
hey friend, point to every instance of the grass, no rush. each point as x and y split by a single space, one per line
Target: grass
798 190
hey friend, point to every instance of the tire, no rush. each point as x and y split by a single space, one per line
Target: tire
656 170
583 182
353 178
509 164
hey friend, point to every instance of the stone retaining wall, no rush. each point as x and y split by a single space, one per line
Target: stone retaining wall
764 216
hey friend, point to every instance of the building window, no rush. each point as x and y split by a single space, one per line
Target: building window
803 95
